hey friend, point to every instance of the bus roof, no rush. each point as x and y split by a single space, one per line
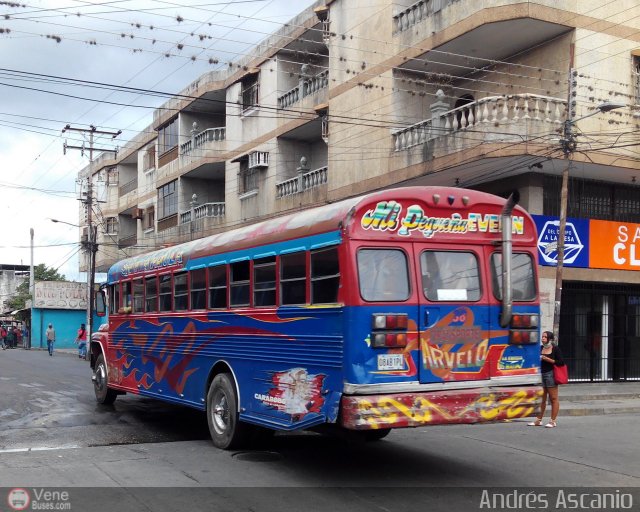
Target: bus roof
423 212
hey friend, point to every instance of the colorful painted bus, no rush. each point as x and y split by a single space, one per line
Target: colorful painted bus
383 311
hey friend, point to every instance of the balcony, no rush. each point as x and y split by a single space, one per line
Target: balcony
199 146
130 186
494 119
299 184
127 241
203 211
306 87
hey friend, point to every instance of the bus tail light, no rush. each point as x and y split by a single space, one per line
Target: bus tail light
389 330
523 337
525 321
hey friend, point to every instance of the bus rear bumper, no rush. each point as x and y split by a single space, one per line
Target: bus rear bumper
398 410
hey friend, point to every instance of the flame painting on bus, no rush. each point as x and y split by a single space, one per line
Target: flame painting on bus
388 310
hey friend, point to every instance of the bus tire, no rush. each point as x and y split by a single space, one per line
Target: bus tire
225 427
104 395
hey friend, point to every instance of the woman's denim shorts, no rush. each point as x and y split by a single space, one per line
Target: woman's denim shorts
548 381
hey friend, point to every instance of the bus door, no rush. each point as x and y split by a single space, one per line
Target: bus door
453 313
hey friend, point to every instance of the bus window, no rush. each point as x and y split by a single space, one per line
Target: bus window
138 296
264 281
114 299
165 292
325 276
126 295
240 283
151 296
180 292
450 276
523 282
293 278
218 287
199 288
383 275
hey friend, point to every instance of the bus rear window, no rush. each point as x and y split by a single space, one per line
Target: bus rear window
450 276
383 275
523 282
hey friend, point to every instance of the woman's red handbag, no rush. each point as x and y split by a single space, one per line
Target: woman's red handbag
560 374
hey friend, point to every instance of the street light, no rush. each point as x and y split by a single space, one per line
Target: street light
568 147
64 222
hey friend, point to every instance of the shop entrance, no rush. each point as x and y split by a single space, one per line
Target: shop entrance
600 331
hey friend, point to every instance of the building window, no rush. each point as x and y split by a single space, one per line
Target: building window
247 177
168 199
111 225
149 218
112 177
149 159
168 137
250 88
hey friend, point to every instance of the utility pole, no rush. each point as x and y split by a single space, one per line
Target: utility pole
92 231
568 143
568 146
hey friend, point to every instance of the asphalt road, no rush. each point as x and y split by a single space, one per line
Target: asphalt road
53 434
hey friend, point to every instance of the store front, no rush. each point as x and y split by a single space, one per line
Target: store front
600 331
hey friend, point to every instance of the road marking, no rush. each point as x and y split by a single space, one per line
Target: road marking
39 449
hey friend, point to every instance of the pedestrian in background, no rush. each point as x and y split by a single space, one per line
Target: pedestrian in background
81 340
3 335
51 338
10 339
550 356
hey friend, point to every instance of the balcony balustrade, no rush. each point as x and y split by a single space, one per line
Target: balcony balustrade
306 87
417 12
303 182
127 241
203 211
486 115
128 187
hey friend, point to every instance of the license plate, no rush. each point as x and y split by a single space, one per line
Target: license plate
391 362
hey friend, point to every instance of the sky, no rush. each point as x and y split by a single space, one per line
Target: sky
152 45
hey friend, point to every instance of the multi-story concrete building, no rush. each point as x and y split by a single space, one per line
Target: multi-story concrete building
354 96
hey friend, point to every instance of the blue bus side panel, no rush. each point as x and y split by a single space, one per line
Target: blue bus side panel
288 364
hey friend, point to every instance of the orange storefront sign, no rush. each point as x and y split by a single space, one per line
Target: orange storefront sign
614 245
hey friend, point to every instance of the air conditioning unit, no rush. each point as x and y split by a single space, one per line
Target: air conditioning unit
138 213
258 159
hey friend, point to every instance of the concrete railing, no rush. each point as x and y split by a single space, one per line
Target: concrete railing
208 135
202 211
485 115
417 12
306 87
128 187
302 182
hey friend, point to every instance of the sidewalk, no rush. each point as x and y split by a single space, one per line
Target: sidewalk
576 398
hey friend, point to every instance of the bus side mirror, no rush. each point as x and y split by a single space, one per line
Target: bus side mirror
101 303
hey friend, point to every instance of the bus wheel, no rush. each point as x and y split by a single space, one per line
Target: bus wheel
375 434
227 431
104 395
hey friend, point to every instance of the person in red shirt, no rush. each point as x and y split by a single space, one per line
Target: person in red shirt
81 340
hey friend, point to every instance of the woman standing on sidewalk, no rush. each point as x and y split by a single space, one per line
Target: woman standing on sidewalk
81 340
550 357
